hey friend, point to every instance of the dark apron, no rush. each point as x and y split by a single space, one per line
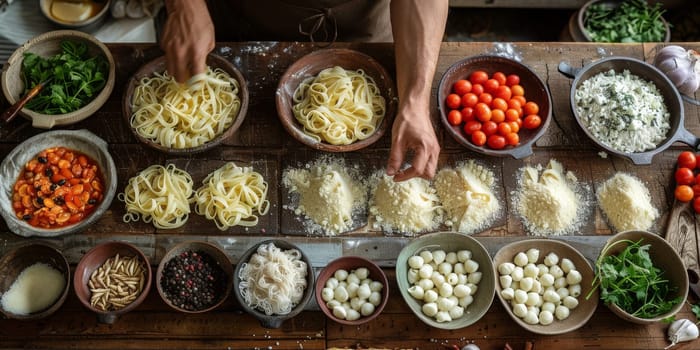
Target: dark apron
301 20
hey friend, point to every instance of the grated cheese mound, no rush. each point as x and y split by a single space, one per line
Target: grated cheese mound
328 195
550 204
466 193
409 206
626 203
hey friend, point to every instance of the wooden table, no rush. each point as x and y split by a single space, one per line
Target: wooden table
263 143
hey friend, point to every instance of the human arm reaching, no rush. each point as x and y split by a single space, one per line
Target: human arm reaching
188 36
418 27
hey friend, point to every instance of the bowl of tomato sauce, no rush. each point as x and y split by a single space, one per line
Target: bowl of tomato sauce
56 183
494 105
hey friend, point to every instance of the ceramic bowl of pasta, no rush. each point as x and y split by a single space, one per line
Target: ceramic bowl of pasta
193 118
63 100
352 290
446 278
494 105
194 277
336 100
544 285
290 276
56 183
34 281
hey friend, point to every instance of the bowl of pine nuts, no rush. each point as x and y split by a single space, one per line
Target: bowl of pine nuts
111 279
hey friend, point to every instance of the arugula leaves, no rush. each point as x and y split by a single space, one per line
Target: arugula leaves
632 21
75 78
631 281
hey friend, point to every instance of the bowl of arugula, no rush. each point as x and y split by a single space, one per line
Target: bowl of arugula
76 70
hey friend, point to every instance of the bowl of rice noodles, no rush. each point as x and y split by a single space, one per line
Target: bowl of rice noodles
273 281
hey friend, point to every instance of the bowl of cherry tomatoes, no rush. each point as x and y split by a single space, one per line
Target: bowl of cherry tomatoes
494 105
687 178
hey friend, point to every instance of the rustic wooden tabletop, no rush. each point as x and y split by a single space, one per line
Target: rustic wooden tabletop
263 142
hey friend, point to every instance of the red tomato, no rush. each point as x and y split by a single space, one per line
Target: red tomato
500 77
477 89
532 121
687 160
696 189
531 108
467 114
517 90
491 85
470 99
453 101
514 126
479 138
512 115
504 129
696 204
503 92
454 117
684 193
461 87
498 116
482 111
512 79
489 128
496 141
478 77
514 103
684 176
486 98
513 139
471 126
499 103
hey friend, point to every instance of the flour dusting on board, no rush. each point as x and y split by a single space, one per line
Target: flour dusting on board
506 50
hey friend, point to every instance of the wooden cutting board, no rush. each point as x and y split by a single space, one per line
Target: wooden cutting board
682 234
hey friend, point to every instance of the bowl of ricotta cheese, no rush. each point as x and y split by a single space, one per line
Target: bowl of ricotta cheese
627 107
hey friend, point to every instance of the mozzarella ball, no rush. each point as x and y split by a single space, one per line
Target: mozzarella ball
533 299
531 270
456 312
548 306
505 281
574 277
563 292
445 304
341 275
561 312
375 298
367 309
452 279
461 291
327 294
567 265
427 256
520 259
333 303
536 287
526 284
547 280
471 266
506 268
362 273
546 317
430 296
352 289
570 302
464 255
517 274
519 310
426 284
543 269
474 277
439 256
520 296
443 316
445 268
551 297
437 278
445 290
430 309
332 283
425 271
352 315
466 301
560 283
575 290
556 271
341 294
533 254
462 278
356 303
451 258
376 286
551 259
352 278
473 287
508 293
340 312
364 292
459 268
412 276
416 292
531 318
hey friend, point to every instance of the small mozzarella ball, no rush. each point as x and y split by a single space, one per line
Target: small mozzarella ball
533 308
458 268
462 278
362 273
327 294
563 292
340 312
341 275
439 256
341 294
333 303
549 289
531 318
425 271
526 284
546 317
430 296
443 316
456 312
430 309
416 262
366 281
556 271
515 285
560 283
519 310
376 286
517 274
547 280
473 287
574 277
533 254
551 259
352 289
342 284
567 265
543 269
416 292
375 298
551 297
471 266
445 290
352 278
466 301
352 315
575 290
367 309
533 299
531 270
520 296
356 303
506 268
508 293
332 283
570 302
412 276
452 279
437 278
451 258
461 291
364 292
464 255
536 287
505 281
474 277
427 256
561 312
520 259
445 268
548 306
445 304
426 284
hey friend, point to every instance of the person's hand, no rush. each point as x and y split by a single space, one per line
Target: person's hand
188 36
413 132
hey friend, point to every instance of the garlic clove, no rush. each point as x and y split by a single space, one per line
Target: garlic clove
681 331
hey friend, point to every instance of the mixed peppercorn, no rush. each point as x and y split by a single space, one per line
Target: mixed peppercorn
193 281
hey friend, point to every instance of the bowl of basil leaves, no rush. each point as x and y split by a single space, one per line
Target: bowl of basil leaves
76 70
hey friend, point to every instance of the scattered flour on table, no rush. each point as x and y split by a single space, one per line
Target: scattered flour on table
626 203
408 207
553 203
329 195
466 193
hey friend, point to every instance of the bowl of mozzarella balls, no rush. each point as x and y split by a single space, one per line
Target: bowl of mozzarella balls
446 278
545 285
352 290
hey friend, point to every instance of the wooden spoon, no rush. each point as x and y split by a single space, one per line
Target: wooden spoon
11 112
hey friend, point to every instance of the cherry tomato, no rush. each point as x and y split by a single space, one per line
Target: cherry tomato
482 111
497 142
499 103
532 121
512 115
512 79
687 160
467 114
517 90
696 189
489 128
514 126
514 103
503 92
491 85
504 129
454 117
696 204
461 87
498 116
513 139
479 138
486 98
477 89
684 176
472 126
478 77
520 99
531 108
684 193
470 99
500 77
453 101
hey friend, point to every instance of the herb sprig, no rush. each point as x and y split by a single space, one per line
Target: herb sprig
631 21
75 78
631 281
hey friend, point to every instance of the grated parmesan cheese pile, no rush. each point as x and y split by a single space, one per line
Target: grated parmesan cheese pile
466 193
626 203
409 206
550 204
328 193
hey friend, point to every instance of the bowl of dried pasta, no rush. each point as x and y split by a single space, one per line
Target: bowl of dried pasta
336 100
181 119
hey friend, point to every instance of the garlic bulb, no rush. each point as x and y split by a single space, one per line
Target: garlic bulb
682 330
681 66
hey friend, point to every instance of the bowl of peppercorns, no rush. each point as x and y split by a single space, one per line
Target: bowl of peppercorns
194 277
